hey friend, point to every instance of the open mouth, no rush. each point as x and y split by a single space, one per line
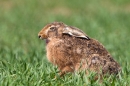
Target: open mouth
47 41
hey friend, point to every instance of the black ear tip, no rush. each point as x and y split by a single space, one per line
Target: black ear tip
85 37
88 38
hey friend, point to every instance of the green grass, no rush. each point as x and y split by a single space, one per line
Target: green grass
22 55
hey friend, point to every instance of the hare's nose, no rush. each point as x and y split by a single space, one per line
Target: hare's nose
39 36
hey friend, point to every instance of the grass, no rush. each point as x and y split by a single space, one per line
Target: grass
22 55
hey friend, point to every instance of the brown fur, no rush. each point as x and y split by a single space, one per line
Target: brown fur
71 53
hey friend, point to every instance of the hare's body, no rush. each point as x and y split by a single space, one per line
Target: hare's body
73 51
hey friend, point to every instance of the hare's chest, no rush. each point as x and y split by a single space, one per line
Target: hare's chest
53 51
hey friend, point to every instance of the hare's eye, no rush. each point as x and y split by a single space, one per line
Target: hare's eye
52 28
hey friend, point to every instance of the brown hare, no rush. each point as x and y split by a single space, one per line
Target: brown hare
71 50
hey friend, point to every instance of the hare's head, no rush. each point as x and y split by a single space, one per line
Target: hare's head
57 29
51 30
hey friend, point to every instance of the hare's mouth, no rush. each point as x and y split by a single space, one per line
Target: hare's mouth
47 41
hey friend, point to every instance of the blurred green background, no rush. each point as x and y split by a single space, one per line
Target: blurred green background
21 51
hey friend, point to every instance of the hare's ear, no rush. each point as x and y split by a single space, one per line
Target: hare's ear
73 31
